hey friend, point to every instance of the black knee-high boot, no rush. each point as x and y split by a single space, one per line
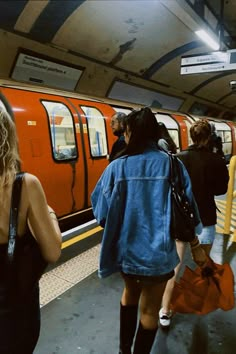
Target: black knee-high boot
144 340
128 323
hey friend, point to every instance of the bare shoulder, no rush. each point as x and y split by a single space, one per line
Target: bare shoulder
32 182
31 179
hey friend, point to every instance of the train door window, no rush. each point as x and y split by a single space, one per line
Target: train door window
122 110
96 131
227 145
172 127
62 131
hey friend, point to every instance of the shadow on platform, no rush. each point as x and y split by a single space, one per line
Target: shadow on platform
85 319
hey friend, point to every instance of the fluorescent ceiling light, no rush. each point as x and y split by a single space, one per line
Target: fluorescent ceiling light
207 39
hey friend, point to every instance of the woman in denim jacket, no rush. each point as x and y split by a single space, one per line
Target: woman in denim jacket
132 201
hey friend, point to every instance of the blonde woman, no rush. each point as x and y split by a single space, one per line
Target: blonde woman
20 319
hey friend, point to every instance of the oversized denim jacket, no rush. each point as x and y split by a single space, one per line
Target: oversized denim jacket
132 202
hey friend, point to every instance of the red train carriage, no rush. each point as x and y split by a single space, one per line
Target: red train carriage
65 139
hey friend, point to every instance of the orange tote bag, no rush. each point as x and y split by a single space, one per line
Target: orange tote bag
204 290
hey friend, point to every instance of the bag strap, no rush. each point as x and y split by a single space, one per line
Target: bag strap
176 179
15 201
175 173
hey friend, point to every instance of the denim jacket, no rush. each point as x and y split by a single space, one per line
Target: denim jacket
132 202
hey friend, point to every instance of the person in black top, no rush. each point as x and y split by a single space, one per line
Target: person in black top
209 177
118 130
215 142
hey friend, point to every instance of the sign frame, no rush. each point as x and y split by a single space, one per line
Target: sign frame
38 69
208 62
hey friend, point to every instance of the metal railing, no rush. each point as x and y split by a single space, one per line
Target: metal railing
231 194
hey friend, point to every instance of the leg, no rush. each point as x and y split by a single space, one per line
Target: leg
131 292
128 313
165 312
150 302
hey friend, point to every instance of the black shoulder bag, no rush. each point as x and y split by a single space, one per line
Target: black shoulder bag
182 215
25 261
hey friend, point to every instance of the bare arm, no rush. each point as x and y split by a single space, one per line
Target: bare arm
198 253
42 221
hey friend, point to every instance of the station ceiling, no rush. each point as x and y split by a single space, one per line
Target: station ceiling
140 38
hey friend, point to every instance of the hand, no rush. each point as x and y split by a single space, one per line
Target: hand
199 256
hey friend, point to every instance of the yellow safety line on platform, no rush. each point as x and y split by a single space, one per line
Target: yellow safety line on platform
81 237
221 204
219 230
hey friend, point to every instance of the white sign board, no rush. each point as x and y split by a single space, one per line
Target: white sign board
35 70
197 69
216 57
209 62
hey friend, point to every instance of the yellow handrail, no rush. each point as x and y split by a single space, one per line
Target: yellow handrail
231 194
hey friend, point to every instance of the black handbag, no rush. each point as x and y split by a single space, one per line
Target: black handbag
25 261
182 215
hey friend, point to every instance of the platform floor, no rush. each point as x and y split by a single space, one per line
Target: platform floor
83 317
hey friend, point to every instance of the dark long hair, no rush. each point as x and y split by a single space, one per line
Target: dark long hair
144 130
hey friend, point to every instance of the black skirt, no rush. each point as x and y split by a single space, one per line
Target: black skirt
19 320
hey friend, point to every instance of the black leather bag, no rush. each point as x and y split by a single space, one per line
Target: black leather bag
25 261
182 214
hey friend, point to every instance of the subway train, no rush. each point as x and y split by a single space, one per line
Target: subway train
65 138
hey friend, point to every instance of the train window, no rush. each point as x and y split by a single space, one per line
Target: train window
227 136
220 133
121 109
96 131
227 143
171 125
224 131
62 131
175 136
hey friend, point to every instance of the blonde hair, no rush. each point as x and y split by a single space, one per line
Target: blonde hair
9 157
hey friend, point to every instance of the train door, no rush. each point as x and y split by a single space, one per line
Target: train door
184 123
95 118
50 146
